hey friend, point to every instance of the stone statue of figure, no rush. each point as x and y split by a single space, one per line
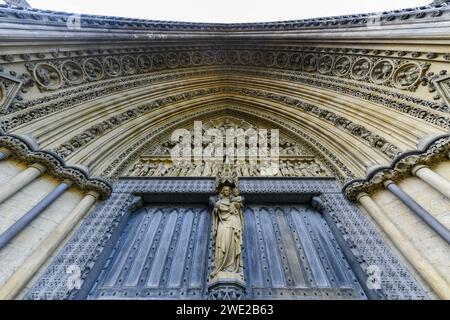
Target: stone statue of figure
145 169
176 169
163 149
290 169
241 169
284 169
266 168
238 200
160 170
185 167
207 168
136 169
215 169
315 169
191 169
254 170
300 170
151 169
227 235
198 170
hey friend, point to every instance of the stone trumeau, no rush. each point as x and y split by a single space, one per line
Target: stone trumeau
303 159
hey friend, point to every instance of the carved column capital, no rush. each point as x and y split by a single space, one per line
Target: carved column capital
387 183
361 194
319 204
417 168
135 204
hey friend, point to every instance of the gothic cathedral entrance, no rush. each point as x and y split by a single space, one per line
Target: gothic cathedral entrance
165 251
223 227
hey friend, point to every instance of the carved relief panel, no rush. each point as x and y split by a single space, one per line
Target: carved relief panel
9 87
293 161
442 84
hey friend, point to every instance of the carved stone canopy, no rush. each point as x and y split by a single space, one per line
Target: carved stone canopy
226 177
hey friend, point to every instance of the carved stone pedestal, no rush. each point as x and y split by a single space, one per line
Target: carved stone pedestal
226 289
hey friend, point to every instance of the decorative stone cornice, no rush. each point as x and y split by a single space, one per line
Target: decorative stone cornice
431 153
26 151
17 14
276 185
398 69
116 61
173 185
416 107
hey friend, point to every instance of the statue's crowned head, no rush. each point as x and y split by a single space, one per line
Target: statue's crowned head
226 191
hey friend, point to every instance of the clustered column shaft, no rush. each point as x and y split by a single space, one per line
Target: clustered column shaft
433 179
4 153
418 210
33 263
415 258
21 180
33 213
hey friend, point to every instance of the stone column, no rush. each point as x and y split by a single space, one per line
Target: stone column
4 153
423 267
21 180
433 179
33 213
419 211
32 265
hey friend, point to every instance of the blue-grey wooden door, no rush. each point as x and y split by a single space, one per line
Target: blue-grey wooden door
161 254
165 253
290 253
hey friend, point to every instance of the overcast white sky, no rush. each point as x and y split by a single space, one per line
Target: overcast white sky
225 11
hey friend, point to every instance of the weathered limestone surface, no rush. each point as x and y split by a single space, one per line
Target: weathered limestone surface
15 207
424 239
352 91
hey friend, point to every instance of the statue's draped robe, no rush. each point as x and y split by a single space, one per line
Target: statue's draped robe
227 232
